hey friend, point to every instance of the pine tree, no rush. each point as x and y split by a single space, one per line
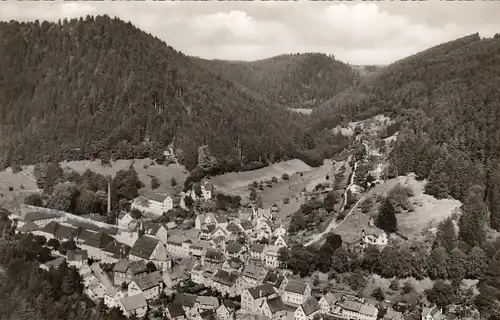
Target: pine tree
386 219
446 235
473 219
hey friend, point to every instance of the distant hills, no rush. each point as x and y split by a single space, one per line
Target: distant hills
292 80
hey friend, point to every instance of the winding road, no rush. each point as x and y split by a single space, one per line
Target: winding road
334 223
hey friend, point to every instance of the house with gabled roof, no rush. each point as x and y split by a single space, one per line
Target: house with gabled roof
253 274
296 292
96 243
207 190
274 308
252 298
124 271
264 213
83 235
274 279
246 214
206 303
55 263
28 227
43 218
124 219
114 252
175 276
112 297
95 289
224 282
199 247
281 241
326 302
188 304
175 312
307 310
280 231
219 232
218 243
156 230
393 315
197 274
76 258
213 258
275 208
432 313
221 221
247 227
47 230
150 249
374 236
202 220
134 305
149 284
352 309
271 260
64 233
233 228
258 251
225 311
234 250
233 265
175 246
153 203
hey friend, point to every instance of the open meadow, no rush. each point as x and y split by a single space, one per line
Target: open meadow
14 187
428 211
301 176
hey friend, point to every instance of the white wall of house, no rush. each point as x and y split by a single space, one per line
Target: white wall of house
93 252
292 297
175 249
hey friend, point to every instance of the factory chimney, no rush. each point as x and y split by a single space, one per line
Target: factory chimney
109 196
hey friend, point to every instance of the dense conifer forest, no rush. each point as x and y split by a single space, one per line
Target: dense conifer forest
448 101
95 87
292 80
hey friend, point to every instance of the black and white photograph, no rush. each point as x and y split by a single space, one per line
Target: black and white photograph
250 160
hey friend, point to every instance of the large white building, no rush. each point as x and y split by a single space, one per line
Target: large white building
154 203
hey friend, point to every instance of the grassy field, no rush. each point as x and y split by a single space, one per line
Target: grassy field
23 183
234 182
237 183
144 167
428 211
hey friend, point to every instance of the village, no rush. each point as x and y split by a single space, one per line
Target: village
225 267
220 265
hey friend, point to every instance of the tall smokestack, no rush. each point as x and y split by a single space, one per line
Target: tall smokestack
109 196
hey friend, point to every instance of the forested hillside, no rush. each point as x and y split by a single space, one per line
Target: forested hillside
99 87
292 80
448 99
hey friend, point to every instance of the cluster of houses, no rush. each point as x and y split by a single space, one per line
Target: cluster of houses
234 253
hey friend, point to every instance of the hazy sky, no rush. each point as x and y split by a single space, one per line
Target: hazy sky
356 32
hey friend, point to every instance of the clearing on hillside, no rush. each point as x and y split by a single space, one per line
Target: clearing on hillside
231 182
22 183
428 211
301 177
